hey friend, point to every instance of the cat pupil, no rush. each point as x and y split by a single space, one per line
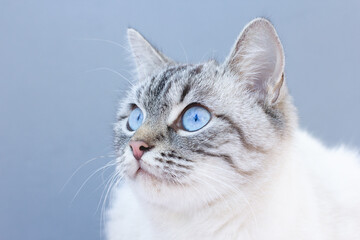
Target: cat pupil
196 118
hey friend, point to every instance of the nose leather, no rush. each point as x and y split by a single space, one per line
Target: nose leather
138 148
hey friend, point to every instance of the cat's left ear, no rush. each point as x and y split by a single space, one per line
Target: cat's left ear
147 58
258 58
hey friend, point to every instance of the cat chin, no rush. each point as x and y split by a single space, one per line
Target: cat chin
182 194
163 193
186 196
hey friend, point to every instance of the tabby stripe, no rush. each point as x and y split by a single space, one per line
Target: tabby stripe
166 90
164 78
170 162
147 86
122 117
178 165
276 117
186 89
160 137
172 155
225 157
184 92
240 132
208 145
142 88
186 160
196 70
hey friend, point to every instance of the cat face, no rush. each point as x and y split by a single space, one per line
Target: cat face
187 135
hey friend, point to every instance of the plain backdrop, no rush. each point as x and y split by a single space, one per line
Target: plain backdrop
63 66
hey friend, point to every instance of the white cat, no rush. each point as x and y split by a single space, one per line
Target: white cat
213 151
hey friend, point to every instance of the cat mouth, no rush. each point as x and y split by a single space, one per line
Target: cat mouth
143 172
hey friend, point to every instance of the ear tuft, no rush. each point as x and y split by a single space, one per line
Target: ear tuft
258 59
147 58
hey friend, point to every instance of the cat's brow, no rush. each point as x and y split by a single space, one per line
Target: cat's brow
157 88
195 71
185 92
161 84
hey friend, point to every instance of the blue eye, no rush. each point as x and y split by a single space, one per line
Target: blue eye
135 119
195 118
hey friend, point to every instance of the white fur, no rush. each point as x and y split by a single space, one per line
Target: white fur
314 194
278 183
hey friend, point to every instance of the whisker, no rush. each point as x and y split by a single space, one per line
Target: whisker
117 177
105 41
183 49
104 167
112 71
104 181
78 169
107 185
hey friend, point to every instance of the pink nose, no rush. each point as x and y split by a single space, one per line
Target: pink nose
138 148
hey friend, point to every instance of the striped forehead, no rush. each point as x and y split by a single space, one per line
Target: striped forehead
168 88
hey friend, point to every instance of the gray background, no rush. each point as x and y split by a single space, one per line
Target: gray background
56 109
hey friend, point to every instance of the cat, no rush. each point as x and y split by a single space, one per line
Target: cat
214 151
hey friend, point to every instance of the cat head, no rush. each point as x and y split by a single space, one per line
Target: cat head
188 134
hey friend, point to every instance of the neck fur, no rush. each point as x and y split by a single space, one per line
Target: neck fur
253 213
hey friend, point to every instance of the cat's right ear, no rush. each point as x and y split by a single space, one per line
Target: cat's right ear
148 59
